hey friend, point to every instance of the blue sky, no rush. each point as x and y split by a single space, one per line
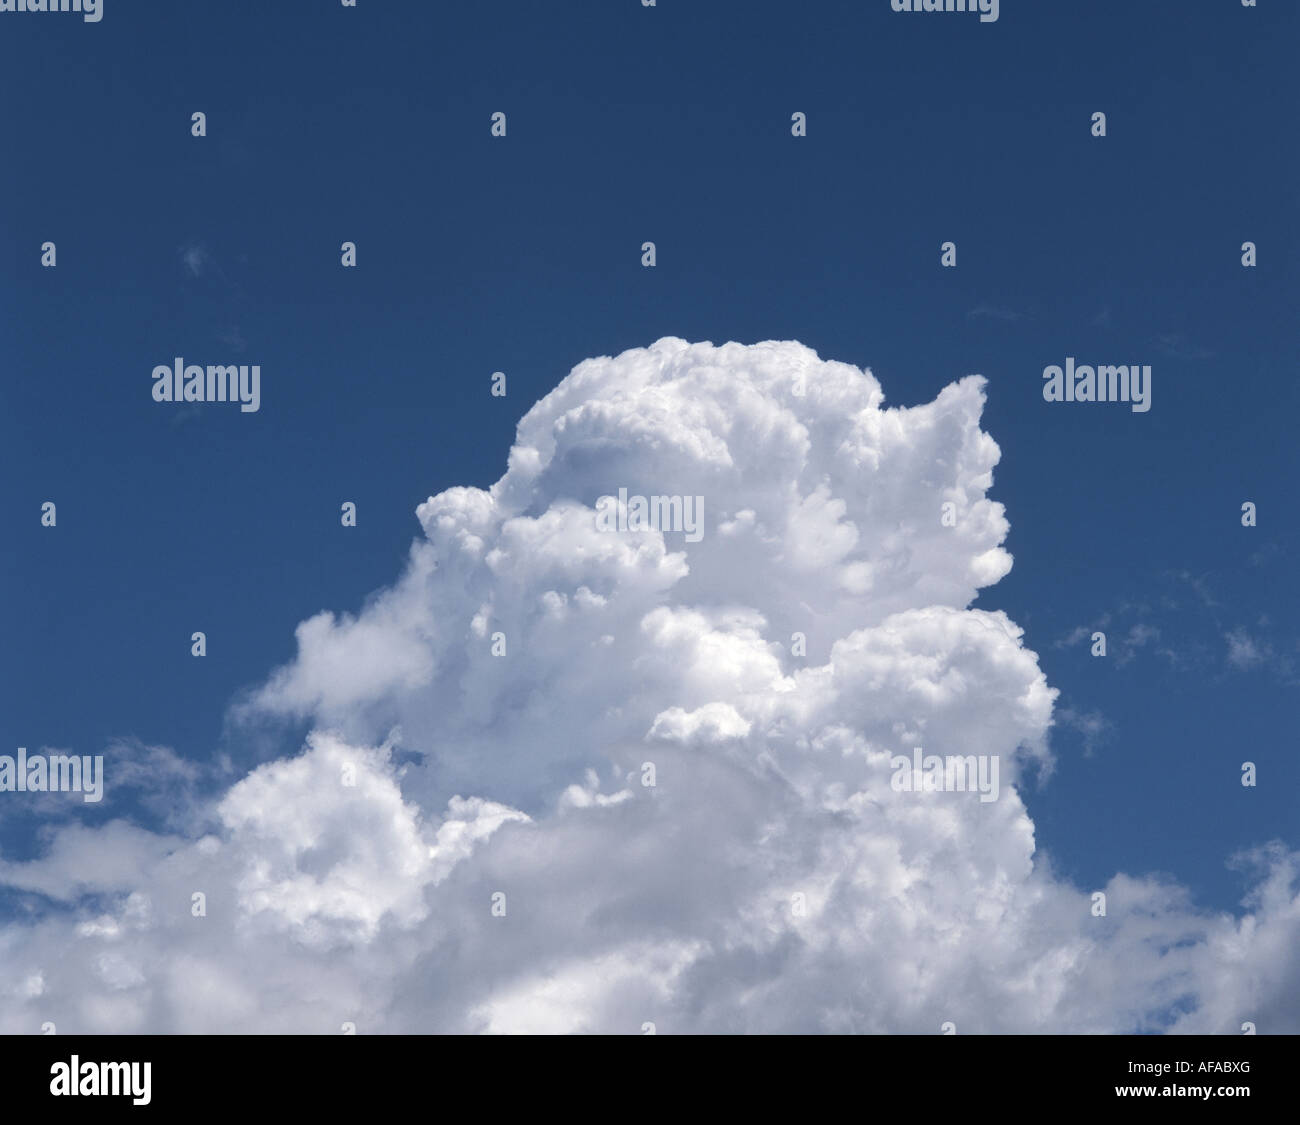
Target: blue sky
522 255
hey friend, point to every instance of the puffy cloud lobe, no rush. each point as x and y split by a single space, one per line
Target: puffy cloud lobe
326 846
771 879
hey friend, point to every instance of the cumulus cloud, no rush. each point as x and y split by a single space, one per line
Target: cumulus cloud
563 779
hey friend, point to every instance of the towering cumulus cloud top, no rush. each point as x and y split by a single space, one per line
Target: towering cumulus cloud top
663 694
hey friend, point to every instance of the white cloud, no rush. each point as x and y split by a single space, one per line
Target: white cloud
1244 651
195 258
770 880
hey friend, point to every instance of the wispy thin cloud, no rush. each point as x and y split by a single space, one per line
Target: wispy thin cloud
1177 346
195 258
985 311
1092 726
